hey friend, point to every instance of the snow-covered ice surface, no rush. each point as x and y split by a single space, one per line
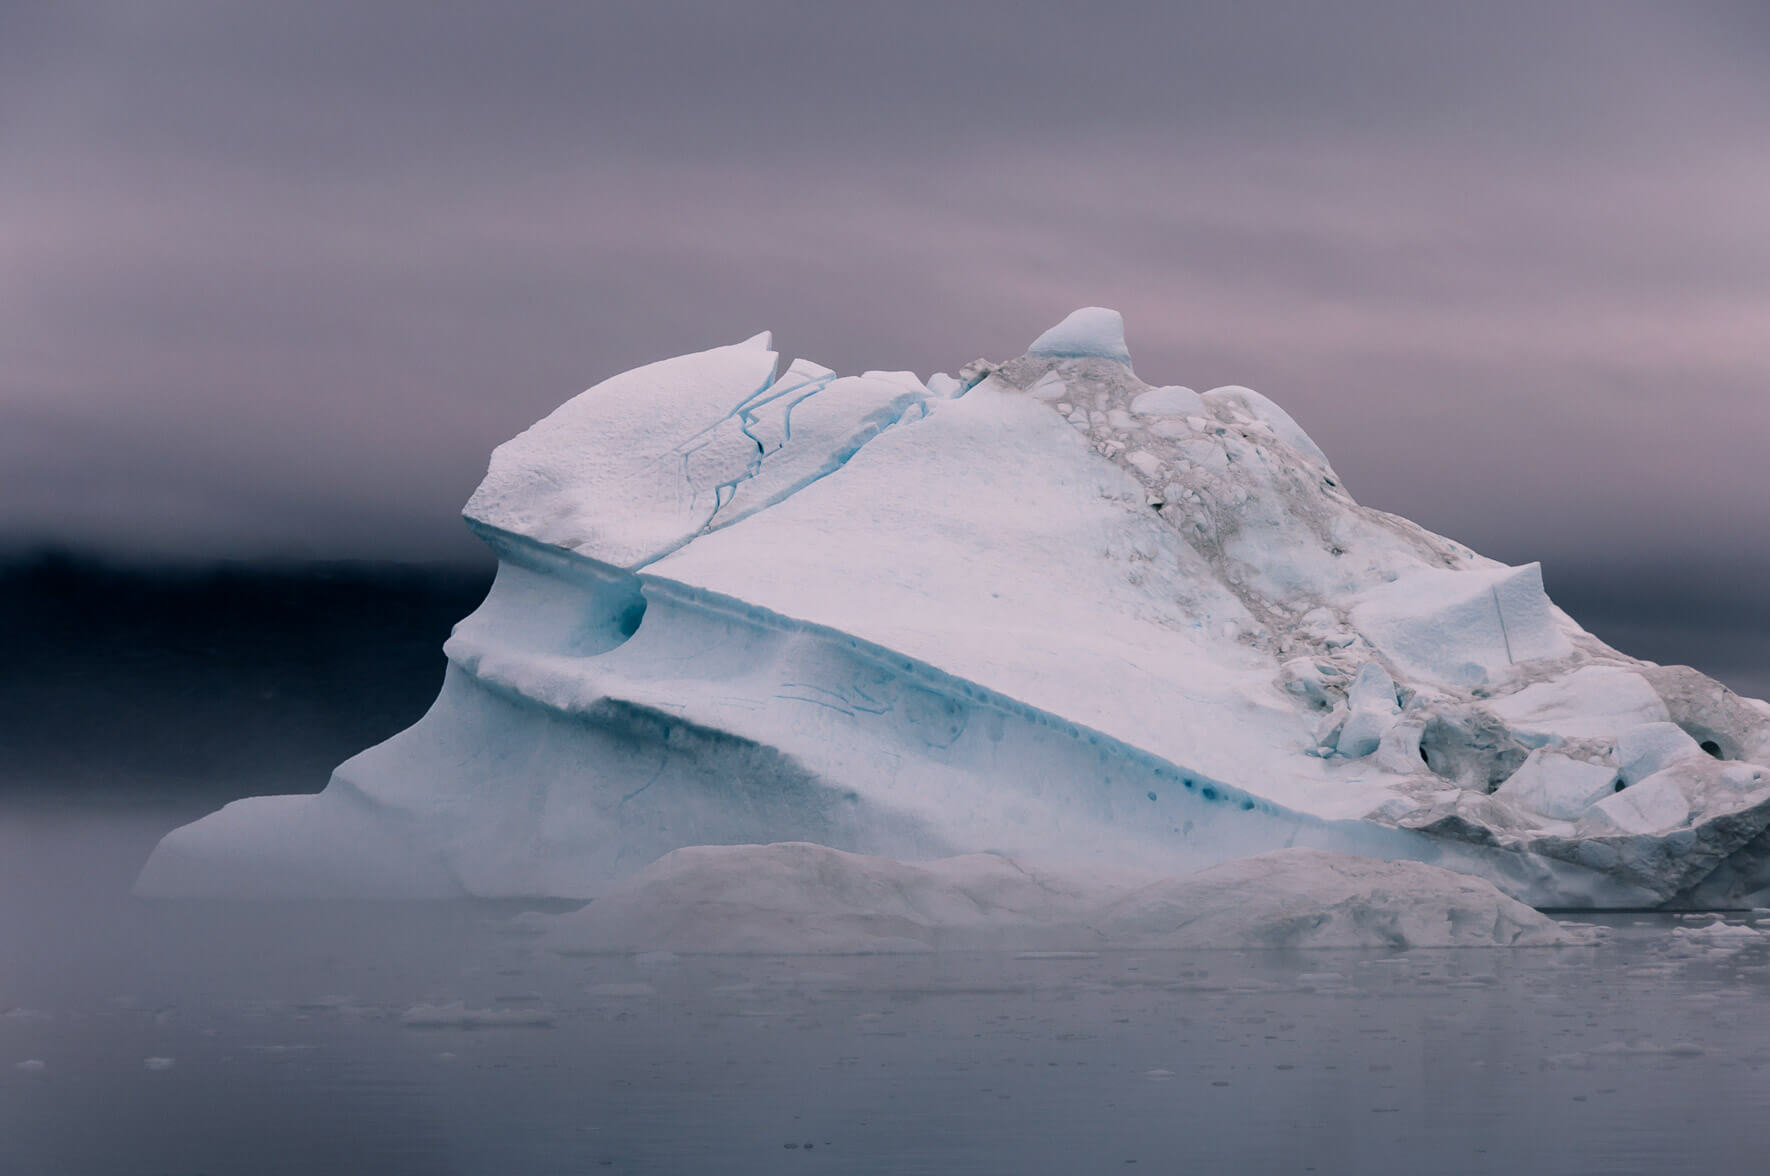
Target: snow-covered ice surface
810 899
1042 609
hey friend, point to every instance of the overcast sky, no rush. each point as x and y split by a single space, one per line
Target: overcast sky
275 278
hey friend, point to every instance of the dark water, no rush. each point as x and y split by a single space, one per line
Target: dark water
131 701
286 1048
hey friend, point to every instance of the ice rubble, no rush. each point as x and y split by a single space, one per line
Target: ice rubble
799 898
1041 608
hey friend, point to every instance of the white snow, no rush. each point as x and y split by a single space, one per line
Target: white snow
799 898
592 476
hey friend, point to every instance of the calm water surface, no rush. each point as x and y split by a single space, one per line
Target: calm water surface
440 1039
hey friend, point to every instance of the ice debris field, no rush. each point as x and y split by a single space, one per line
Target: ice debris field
1040 610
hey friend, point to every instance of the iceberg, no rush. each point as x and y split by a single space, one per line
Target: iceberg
1039 609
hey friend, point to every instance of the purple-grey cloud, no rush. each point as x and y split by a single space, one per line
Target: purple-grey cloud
277 281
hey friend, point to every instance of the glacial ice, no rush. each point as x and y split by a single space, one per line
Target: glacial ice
1041 609
1371 710
1645 750
1558 786
1456 627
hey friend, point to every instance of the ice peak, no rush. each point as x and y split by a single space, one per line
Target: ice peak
1090 331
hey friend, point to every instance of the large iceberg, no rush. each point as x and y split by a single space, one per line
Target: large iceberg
1041 609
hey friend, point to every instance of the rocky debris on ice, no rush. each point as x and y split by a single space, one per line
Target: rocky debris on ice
801 898
1042 608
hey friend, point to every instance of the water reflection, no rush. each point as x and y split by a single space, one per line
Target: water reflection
300 1038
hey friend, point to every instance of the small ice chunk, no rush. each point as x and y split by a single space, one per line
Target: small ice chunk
1208 454
636 991
158 1064
1654 805
1308 679
1373 707
944 386
35 1016
1372 689
30 1066
1558 786
1593 702
1457 627
1171 400
1090 331
1147 463
1363 733
905 380
456 1015
1642 751
1721 934
807 370
1743 776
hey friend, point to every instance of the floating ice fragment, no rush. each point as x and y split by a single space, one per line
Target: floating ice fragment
456 1015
